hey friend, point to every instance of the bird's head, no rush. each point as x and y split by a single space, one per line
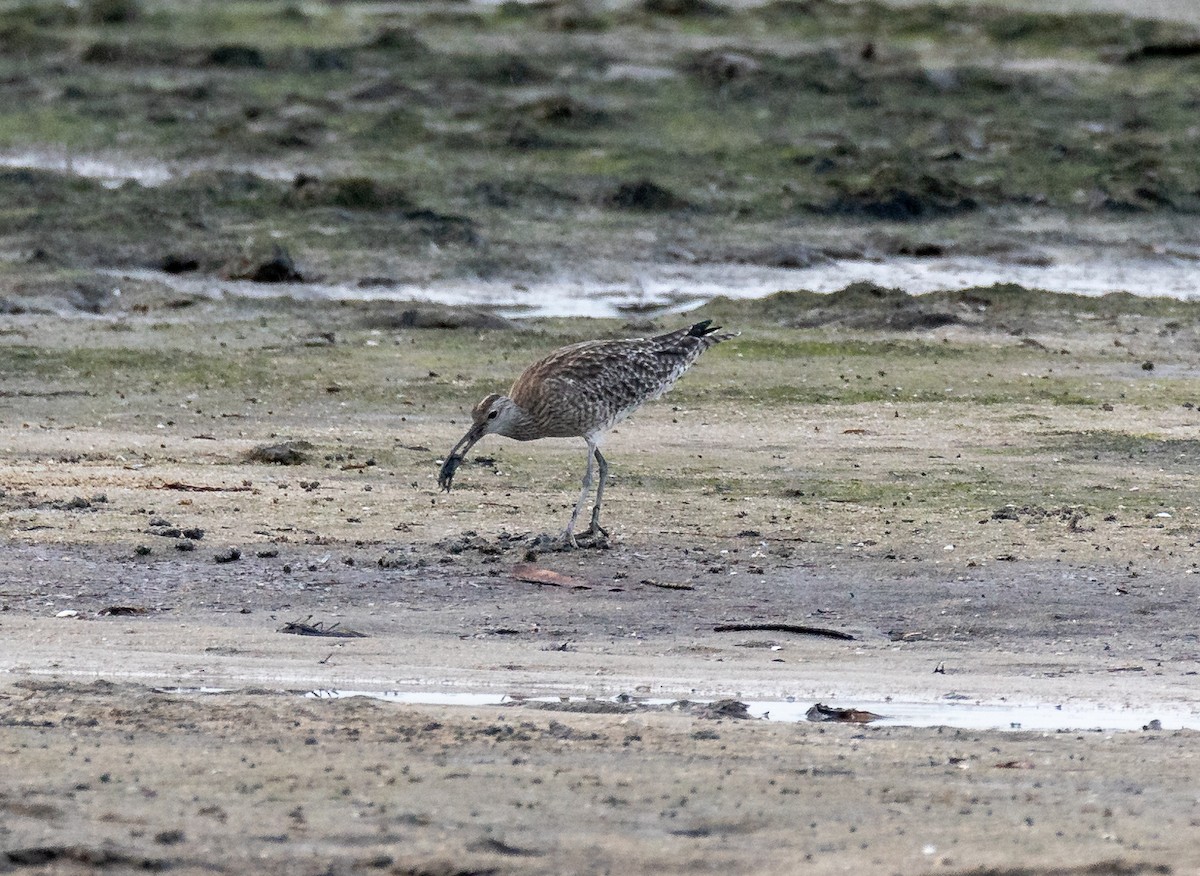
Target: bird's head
492 416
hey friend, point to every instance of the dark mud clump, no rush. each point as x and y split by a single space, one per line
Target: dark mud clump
93 859
473 541
522 136
779 255
716 710
178 263
1181 48
444 228
400 43
905 245
899 194
580 707
106 52
429 317
871 307
279 268
643 194
510 193
684 8
721 68
566 111
237 56
351 193
504 70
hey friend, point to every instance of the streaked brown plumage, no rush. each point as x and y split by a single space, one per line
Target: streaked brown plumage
583 391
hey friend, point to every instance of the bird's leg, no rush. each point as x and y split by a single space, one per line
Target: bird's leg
583 495
596 528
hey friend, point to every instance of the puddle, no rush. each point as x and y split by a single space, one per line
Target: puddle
955 714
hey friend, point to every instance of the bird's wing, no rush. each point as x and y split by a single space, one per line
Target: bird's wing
586 387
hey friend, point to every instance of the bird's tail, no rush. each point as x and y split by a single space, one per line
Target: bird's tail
707 332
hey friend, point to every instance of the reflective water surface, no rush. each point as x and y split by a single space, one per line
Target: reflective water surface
948 713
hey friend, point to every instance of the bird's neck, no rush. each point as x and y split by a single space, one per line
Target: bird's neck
518 424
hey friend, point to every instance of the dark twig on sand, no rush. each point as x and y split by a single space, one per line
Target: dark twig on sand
304 628
200 488
798 629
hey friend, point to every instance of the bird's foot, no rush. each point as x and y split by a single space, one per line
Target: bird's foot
596 539
595 536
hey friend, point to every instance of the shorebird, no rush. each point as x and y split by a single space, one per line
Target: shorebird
582 391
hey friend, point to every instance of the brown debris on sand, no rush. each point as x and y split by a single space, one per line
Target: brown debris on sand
283 453
822 713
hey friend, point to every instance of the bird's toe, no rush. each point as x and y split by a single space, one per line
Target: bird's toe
593 538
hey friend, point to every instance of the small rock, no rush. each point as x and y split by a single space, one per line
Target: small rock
228 556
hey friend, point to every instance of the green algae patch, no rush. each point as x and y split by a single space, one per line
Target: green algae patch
1008 308
1176 451
536 133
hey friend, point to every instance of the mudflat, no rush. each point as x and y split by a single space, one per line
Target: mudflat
218 488
997 510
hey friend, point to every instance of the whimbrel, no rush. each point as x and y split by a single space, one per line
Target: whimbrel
582 391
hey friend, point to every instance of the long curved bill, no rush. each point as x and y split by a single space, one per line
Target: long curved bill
454 460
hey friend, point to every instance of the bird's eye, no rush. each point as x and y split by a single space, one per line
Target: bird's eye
493 415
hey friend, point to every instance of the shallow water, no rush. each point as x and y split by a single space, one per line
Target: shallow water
655 288
652 288
113 170
957 714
